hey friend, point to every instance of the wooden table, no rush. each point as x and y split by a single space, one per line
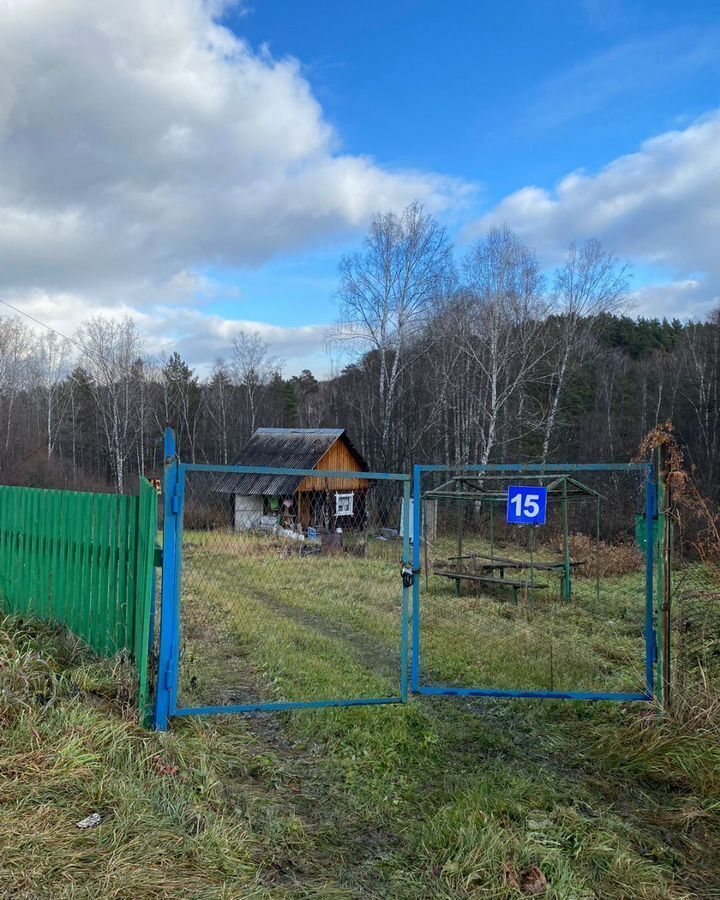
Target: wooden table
488 565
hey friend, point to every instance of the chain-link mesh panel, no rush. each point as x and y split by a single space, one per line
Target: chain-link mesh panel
559 607
291 589
688 552
695 616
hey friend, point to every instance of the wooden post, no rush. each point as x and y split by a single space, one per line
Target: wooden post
659 535
665 514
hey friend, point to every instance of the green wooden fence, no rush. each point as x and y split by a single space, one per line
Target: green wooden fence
86 561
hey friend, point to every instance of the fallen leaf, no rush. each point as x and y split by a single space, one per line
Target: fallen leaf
166 769
533 882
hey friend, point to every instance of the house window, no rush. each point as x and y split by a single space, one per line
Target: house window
344 504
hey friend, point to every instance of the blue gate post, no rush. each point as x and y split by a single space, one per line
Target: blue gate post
417 507
651 512
167 674
405 593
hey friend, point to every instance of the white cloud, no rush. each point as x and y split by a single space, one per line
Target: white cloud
659 207
199 337
690 297
202 338
141 142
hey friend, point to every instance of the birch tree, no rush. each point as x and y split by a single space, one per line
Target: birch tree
387 293
51 358
700 355
505 310
219 398
15 354
252 367
589 284
111 349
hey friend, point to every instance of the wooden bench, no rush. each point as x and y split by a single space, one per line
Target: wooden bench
492 563
514 584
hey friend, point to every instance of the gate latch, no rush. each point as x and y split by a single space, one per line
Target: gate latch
408 576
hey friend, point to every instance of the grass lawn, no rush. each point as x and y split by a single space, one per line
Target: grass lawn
262 622
446 799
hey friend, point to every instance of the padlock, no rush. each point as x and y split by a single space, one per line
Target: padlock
408 576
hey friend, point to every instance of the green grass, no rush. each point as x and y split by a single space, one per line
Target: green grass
433 799
260 622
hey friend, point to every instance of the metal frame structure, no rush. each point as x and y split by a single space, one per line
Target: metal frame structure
166 702
467 487
648 471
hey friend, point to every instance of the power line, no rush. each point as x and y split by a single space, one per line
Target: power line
45 325
70 340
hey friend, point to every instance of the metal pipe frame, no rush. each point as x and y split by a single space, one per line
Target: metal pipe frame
170 622
440 691
301 473
519 468
166 698
282 707
648 471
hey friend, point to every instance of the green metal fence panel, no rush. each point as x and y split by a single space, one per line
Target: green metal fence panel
147 515
85 561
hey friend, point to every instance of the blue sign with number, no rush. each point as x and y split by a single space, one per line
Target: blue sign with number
526 505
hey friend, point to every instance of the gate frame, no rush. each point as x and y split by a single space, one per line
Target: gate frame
170 623
651 511
170 634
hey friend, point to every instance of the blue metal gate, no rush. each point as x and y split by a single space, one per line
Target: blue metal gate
490 603
290 588
281 589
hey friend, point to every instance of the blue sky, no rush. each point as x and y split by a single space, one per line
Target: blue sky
504 98
497 99
201 165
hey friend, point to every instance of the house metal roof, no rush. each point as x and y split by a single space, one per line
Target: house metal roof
281 448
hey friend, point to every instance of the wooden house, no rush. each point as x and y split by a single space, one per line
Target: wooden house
312 501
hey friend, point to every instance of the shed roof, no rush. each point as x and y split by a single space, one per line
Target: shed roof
282 448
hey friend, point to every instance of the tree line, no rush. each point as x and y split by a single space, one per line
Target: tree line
486 358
